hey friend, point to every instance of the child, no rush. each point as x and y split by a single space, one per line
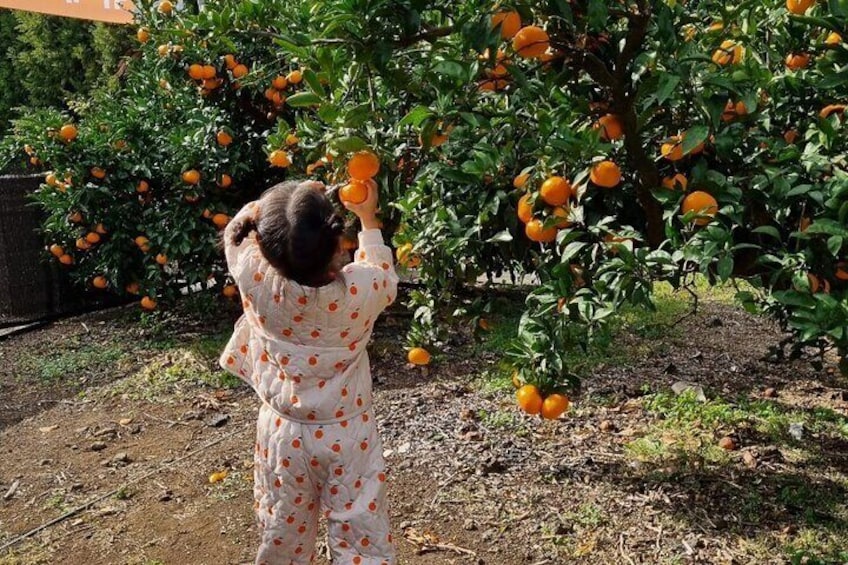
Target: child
301 345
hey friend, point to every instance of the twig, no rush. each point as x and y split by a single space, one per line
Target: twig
170 423
621 549
90 503
12 490
445 547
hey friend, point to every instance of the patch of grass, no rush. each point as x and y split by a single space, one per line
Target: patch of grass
173 372
57 501
816 547
498 419
686 428
71 362
587 515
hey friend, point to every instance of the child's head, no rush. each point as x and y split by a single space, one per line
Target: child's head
298 231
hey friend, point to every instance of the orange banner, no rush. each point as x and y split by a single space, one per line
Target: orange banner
114 11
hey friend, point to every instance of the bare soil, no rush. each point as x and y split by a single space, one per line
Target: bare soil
472 480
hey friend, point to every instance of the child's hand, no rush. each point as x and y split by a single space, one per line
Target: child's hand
367 210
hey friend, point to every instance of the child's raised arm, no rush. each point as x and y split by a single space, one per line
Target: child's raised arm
373 270
240 245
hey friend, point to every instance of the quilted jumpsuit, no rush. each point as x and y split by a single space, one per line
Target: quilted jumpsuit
303 350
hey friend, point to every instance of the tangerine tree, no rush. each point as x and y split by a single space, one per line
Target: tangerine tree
598 147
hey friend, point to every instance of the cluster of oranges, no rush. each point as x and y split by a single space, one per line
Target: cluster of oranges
275 92
362 167
556 192
528 42
530 399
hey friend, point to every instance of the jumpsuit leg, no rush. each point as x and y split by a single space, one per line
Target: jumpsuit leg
286 500
354 493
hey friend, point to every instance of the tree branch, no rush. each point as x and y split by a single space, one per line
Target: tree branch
426 36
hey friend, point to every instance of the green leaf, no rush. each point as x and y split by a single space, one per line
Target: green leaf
450 69
834 244
768 230
350 144
667 84
303 100
504 235
725 267
693 137
314 83
416 116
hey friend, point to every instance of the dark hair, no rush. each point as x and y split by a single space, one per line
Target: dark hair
298 231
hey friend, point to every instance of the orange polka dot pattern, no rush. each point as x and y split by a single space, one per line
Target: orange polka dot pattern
298 346
303 471
304 352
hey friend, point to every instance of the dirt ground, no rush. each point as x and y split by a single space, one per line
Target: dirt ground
129 420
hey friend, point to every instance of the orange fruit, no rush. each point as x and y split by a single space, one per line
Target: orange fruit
225 181
75 218
729 53
813 280
292 139
162 259
516 379
715 26
166 7
555 191
562 213
520 180
141 241
833 39
142 187
223 138
799 7
830 109
418 356
68 132
148 303
240 71
66 259
50 179
230 61
536 231
192 176
163 51
795 62
673 148
195 71
101 229
403 253
842 271
530 42
279 158
553 406
98 173
354 192
99 282
143 35
493 85
82 244
677 181
280 82
529 399
510 23
132 288
230 291
92 237
363 165
220 220
702 203
294 77
609 127
209 72
207 213
605 174
525 209
57 250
